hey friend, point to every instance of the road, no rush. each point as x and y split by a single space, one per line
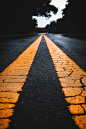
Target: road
75 48
42 86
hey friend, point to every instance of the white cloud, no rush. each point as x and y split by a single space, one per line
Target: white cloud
42 21
59 3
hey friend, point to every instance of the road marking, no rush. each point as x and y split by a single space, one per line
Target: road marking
12 80
73 81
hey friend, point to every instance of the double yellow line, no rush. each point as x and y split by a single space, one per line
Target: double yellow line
72 79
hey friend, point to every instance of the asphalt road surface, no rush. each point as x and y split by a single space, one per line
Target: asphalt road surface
33 90
75 48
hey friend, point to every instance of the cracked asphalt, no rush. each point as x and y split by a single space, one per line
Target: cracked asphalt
41 104
52 94
73 81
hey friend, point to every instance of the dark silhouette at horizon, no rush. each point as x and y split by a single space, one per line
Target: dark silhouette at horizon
73 21
16 15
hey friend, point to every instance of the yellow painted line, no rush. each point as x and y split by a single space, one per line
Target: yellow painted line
73 81
12 80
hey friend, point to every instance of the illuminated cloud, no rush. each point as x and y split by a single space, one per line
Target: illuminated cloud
60 4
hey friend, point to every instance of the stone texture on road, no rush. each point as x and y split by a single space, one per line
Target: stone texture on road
71 78
45 92
14 76
41 104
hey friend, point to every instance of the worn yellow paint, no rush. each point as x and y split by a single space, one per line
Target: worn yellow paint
4 123
73 81
12 80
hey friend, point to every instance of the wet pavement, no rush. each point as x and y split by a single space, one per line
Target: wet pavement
43 88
